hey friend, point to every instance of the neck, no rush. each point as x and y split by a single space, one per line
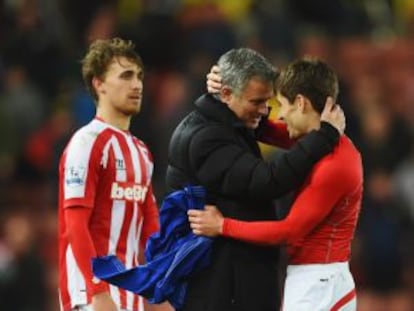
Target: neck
314 123
114 118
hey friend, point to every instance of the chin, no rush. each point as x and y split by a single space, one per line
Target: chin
252 125
133 110
293 135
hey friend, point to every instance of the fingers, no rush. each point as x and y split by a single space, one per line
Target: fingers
194 212
329 104
210 208
214 80
197 225
215 69
334 114
214 77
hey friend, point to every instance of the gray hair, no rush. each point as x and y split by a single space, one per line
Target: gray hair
239 66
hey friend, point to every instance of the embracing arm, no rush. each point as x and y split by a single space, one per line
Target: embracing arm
313 204
224 166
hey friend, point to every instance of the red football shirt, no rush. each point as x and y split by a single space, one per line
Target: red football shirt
108 171
322 220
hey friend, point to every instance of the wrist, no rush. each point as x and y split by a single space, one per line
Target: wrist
221 225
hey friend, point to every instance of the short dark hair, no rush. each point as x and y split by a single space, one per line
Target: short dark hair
100 54
311 78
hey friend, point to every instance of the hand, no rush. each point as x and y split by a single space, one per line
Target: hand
333 114
214 80
103 302
208 222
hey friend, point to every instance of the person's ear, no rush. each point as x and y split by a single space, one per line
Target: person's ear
300 102
226 94
97 85
304 104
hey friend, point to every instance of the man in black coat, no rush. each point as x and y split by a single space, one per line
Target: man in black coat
215 146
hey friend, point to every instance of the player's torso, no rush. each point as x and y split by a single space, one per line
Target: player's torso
114 177
331 240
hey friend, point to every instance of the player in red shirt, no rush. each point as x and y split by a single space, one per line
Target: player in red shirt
106 203
320 226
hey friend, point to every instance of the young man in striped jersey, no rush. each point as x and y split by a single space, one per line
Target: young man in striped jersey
320 226
106 202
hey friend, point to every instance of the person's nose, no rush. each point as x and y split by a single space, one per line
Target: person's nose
137 84
264 110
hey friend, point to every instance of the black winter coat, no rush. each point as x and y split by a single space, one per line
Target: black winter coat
212 147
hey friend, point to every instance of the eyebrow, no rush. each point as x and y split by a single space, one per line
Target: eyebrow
131 72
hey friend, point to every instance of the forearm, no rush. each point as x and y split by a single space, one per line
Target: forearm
83 248
257 232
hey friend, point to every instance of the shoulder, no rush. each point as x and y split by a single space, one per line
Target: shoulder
342 166
212 137
88 136
196 128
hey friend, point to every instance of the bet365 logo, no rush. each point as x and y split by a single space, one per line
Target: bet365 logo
128 191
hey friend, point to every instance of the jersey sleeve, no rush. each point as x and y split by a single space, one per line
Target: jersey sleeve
79 170
77 219
325 187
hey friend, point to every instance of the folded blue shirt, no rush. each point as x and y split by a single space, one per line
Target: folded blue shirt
172 254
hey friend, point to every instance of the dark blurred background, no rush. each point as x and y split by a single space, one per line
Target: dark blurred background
370 43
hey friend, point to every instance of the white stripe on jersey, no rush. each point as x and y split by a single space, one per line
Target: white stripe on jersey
135 160
131 248
144 152
115 294
118 213
137 238
120 174
117 219
133 235
132 243
76 282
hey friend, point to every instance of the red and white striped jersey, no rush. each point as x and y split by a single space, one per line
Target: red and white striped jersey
109 171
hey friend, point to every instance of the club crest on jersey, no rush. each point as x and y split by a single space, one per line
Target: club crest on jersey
128 191
75 176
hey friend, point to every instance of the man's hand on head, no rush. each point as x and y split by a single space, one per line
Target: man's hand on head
214 80
334 115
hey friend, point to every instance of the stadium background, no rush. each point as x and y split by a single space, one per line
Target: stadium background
370 43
